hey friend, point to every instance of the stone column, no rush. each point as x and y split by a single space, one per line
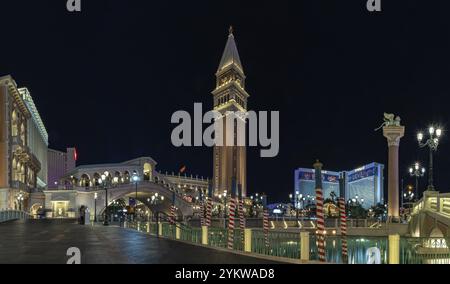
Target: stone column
393 135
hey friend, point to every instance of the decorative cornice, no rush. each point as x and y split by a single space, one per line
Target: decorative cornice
9 82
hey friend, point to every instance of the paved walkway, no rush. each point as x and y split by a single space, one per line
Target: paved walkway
46 241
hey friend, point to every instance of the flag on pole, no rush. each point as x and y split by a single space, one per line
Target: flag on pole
319 212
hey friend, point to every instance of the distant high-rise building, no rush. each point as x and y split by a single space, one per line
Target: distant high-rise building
363 184
366 183
230 161
59 164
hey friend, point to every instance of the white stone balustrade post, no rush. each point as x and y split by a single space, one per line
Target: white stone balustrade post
304 246
248 240
205 235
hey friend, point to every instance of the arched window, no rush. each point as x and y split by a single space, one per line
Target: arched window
147 172
96 181
85 180
22 133
14 124
126 177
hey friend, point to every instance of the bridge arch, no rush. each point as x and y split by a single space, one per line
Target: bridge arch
145 190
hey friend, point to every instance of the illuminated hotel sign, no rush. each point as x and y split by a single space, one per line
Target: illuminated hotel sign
360 174
307 175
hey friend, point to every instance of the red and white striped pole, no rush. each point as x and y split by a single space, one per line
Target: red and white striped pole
241 213
172 215
208 212
319 212
232 211
266 226
202 209
208 204
343 215
202 213
172 210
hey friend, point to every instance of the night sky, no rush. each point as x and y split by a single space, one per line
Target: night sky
108 80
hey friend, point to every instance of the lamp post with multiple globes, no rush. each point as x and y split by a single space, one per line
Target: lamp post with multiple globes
432 143
135 179
105 180
417 172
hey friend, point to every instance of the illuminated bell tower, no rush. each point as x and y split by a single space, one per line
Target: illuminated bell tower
230 161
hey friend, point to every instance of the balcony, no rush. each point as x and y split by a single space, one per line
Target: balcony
19 185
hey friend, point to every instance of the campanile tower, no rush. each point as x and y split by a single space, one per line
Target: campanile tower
230 161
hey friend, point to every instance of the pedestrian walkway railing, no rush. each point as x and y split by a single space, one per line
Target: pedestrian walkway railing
358 249
281 244
10 215
303 246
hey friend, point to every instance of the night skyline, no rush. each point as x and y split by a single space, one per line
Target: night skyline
108 80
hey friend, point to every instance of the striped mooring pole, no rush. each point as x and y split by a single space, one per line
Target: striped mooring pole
319 212
343 216
266 226
202 209
241 212
232 215
208 207
172 215
172 210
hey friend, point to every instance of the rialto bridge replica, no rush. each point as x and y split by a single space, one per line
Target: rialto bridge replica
136 180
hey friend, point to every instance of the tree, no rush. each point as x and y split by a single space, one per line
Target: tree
379 210
356 211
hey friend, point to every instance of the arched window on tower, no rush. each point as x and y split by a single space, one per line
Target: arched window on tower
14 124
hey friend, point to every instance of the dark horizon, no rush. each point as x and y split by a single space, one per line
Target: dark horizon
107 80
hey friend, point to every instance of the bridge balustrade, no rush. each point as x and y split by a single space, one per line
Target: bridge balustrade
11 215
290 244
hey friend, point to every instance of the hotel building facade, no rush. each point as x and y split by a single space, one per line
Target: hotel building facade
23 147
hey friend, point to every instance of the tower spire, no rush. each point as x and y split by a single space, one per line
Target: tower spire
230 54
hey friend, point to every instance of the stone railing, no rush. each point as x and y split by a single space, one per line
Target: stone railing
302 247
433 201
10 215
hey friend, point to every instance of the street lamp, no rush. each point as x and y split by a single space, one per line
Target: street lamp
432 143
135 179
95 207
20 200
417 172
105 180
